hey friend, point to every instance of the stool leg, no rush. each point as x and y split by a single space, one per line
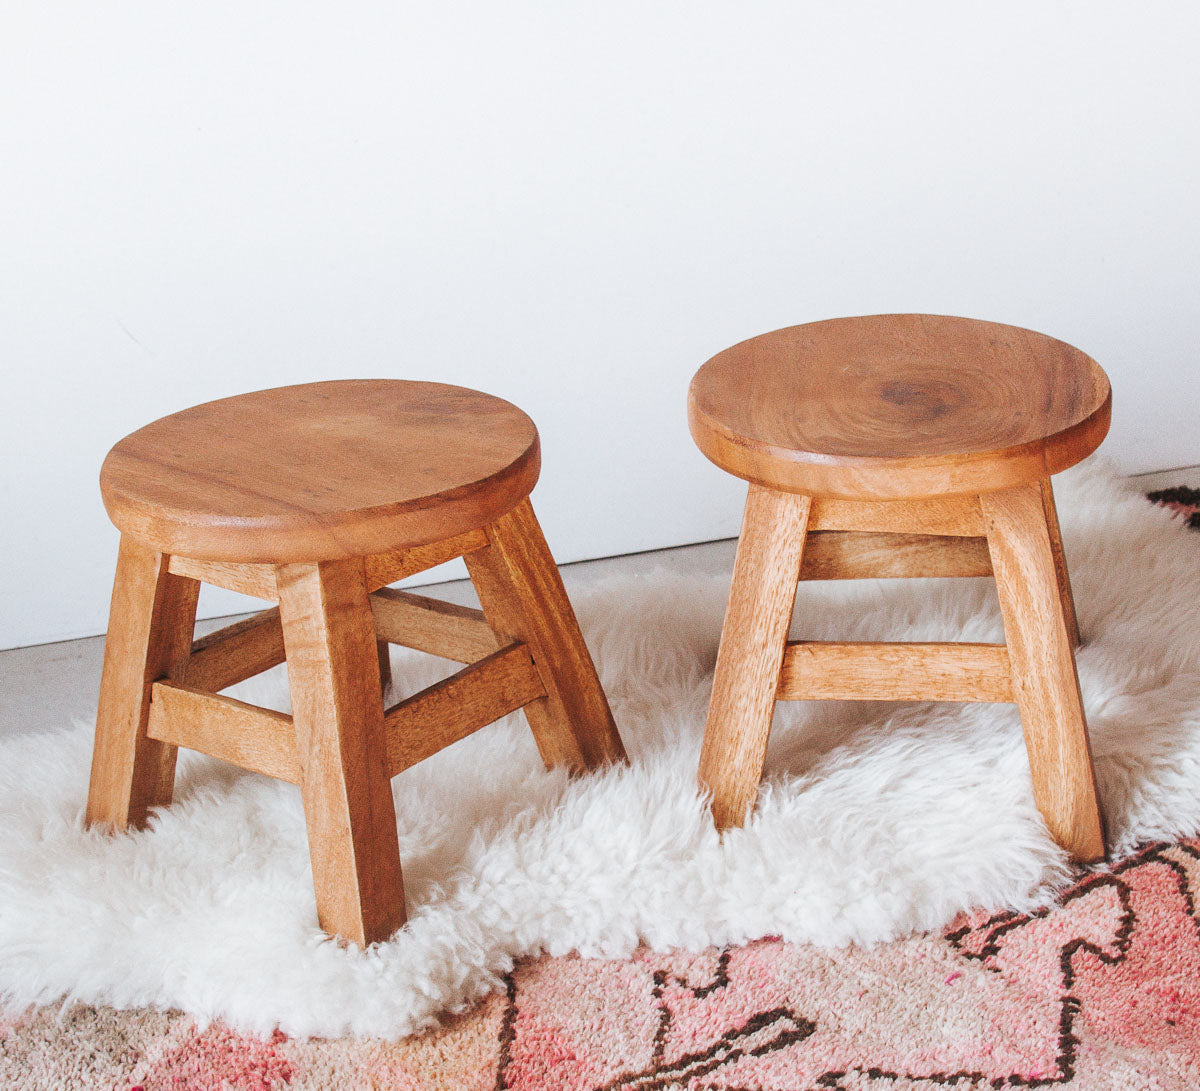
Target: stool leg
150 629
753 639
523 597
1044 678
333 668
1061 574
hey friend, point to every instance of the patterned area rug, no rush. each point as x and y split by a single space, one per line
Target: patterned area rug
1101 991
1181 499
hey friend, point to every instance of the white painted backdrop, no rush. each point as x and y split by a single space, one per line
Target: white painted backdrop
568 204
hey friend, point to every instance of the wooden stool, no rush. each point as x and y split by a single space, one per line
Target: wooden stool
902 445
316 497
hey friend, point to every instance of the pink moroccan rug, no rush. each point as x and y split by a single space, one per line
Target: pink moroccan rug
1102 991
1182 499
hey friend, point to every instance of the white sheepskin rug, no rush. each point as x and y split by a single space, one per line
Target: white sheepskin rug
875 819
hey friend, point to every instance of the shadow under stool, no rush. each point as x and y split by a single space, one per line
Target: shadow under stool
895 446
316 497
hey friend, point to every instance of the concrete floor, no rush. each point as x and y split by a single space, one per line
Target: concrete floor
49 685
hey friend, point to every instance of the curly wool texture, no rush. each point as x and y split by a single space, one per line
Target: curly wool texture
876 819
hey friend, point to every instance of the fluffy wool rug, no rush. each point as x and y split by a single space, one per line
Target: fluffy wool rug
877 819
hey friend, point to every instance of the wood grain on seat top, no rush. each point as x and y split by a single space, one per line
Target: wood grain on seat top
899 406
321 471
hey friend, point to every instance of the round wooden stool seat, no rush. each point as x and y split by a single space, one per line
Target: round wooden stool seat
321 471
898 407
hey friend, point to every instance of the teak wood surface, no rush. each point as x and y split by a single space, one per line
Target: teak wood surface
523 599
828 670
901 446
898 406
316 498
150 625
259 739
766 570
337 709
321 471
1044 677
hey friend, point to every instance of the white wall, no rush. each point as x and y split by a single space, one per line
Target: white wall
571 205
